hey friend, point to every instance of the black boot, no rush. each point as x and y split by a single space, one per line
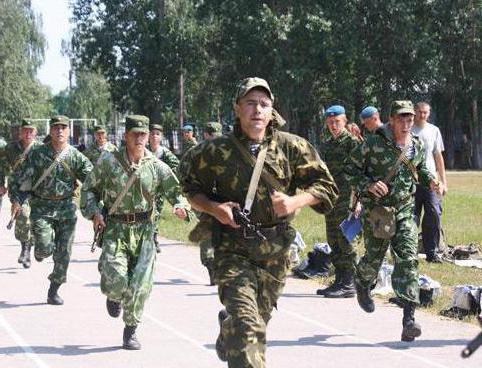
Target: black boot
113 308
21 257
333 286
364 298
345 288
220 347
26 259
411 329
54 298
130 338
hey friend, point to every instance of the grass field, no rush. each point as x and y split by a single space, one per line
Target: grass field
462 223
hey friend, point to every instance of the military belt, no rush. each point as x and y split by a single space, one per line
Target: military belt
131 218
270 232
52 198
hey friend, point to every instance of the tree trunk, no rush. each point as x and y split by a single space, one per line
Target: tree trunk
476 134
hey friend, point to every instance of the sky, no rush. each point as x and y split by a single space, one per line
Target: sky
55 18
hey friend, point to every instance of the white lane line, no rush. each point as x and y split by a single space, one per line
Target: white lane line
358 339
183 272
161 324
29 352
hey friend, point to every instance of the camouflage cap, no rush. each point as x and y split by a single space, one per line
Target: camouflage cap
99 128
402 107
250 83
27 123
59 120
155 126
137 123
213 127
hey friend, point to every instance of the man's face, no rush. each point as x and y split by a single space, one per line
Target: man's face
187 134
401 124
155 137
27 134
336 124
373 122
59 134
100 137
254 111
136 141
422 113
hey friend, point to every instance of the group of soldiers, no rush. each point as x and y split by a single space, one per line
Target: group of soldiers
244 188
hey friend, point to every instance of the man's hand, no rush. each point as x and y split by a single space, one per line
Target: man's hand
354 130
3 190
181 213
283 204
437 187
379 189
224 213
99 223
15 209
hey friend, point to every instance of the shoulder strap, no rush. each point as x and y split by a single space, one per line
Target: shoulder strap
22 157
401 159
253 183
249 160
52 166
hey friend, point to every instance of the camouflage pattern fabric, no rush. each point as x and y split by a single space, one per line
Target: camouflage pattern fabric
187 144
11 158
165 155
53 210
334 151
206 251
128 251
250 275
93 152
370 162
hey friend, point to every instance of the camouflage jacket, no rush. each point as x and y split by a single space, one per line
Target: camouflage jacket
216 169
187 145
334 151
53 197
93 152
372 160
165 155
11 157
109 177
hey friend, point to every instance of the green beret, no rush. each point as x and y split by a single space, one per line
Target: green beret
99 128
402 107
213 127
26 123
137 123
59 120
250 83
156 127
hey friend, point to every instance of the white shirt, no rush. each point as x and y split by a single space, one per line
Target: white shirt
432 141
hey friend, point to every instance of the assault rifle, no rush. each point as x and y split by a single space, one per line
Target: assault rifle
474 344
242 219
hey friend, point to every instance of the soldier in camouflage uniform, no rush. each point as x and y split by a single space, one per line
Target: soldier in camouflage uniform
375 170
100 144
48 178
11 157
250 272
188 139
370 119
336 148
128 251
165 155
211 130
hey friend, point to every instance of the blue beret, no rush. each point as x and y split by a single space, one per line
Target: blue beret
368 112
188 128
334 110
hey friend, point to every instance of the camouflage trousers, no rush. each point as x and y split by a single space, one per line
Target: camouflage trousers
404 249
127 267
22 224
54 236
206 251
343 254
249 294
